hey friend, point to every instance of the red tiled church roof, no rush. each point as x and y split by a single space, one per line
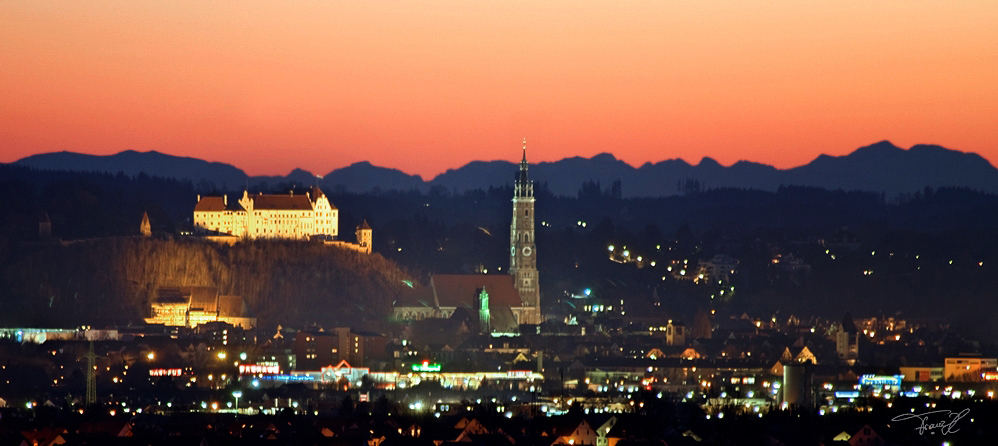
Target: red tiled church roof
416 296
454 290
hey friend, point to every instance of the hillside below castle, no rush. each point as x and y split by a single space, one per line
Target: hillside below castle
290 283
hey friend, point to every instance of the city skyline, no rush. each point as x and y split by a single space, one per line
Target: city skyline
423 89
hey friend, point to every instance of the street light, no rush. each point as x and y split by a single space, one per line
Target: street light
237 394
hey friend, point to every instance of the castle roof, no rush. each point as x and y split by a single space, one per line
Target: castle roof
364 225
282 202
460 290
203 297
315 193
197 297
215 204
171 295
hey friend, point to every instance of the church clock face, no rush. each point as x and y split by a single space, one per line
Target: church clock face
527 251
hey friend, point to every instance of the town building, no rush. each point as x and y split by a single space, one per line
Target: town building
721 267
192 306
847 340
920 374
968 368
315 349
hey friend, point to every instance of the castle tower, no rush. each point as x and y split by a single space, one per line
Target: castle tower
522 251
145 228
365 236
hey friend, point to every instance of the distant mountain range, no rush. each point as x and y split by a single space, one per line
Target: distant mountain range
880 167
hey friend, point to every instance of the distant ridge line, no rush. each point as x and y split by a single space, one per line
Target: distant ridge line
879 167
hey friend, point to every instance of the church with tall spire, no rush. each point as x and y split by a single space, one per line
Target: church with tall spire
502 301
522 247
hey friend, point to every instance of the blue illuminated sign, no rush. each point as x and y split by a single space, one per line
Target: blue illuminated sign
880 380
287 378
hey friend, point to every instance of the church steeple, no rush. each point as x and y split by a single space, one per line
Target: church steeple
523 162
523 186
522 250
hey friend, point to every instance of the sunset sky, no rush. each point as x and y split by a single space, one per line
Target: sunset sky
426 86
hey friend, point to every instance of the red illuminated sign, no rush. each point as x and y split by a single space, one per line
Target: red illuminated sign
165 372
259 369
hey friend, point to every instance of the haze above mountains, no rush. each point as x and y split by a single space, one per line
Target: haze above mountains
880 167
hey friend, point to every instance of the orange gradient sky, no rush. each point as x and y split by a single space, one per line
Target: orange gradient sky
426 86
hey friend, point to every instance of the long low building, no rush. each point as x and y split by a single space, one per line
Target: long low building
193 306
269 216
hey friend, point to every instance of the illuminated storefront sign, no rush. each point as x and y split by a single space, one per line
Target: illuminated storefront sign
847 394
288 378
881 380
259 369
165 372
426 367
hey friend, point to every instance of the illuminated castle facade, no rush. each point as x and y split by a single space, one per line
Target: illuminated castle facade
269 216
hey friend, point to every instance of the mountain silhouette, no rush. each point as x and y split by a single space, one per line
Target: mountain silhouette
880 167
890 169
365 177
130 162
297 176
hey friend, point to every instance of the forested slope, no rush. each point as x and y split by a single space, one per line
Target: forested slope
113 280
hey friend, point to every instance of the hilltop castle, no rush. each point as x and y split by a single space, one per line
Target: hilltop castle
299 217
